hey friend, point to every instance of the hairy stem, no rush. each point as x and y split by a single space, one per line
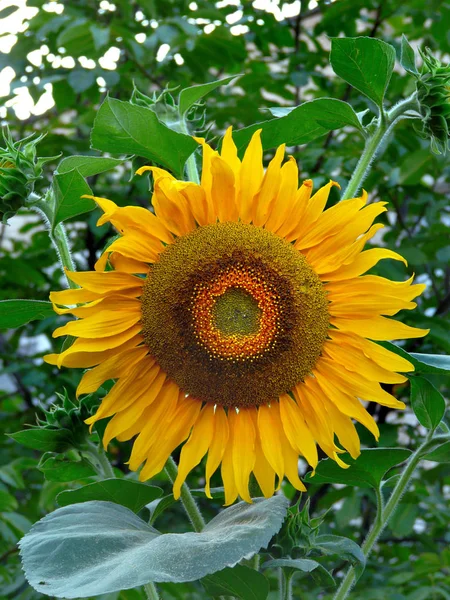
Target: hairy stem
407 108
151 591
58 237
97 457
187 499
384 514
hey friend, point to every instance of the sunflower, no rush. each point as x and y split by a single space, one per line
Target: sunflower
236 320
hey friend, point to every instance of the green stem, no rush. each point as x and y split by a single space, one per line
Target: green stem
191 165
58 237
188 500
385 123
97 457
151 591
384 514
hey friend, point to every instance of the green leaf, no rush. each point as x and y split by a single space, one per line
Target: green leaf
45 440
81 80
441 454
104 547
301 125
423 363
131 494
6 12
306 565
366 471
58 468
345 548
67 189
15 313
121 127
88 165
7 502
240 581
408 57
189 96
431 363
365 63
427 402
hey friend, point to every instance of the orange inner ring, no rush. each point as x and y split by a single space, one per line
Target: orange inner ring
236 346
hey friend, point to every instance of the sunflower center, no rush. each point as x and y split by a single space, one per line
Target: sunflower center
234 314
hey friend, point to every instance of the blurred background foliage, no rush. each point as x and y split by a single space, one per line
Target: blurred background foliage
62 62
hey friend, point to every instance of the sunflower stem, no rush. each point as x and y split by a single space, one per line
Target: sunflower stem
151 591
97 457
191 164
58 237
187 499
408 108
384 514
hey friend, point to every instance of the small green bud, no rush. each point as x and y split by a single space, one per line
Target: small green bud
20 168
433 94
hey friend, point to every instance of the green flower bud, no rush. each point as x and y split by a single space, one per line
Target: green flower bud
433 94
20 168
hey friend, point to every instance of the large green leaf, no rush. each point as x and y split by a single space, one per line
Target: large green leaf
104 547
240 582
304 565
61 469
343 547
45 440
408 57
302 124
131 494
189 96
88 165
67 190
427 402
423 363
124 128
15 313
365 63
366 471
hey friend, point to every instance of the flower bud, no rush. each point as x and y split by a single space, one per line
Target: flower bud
20 168
433 94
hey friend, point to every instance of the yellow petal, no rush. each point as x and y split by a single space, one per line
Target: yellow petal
195 448
217 448
229 152
105 283
349 381
265 198
288 228
223 191
112 368
126 418
283 204
176 432
269 426
78 296
297 431
385 358
198 204
158 413
127 390
227 469
127 265
362 263
355 360
263 472
123 218
252 173
86 359
105 323
243 449
330 222
314 209
346 403
378 328
172 208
